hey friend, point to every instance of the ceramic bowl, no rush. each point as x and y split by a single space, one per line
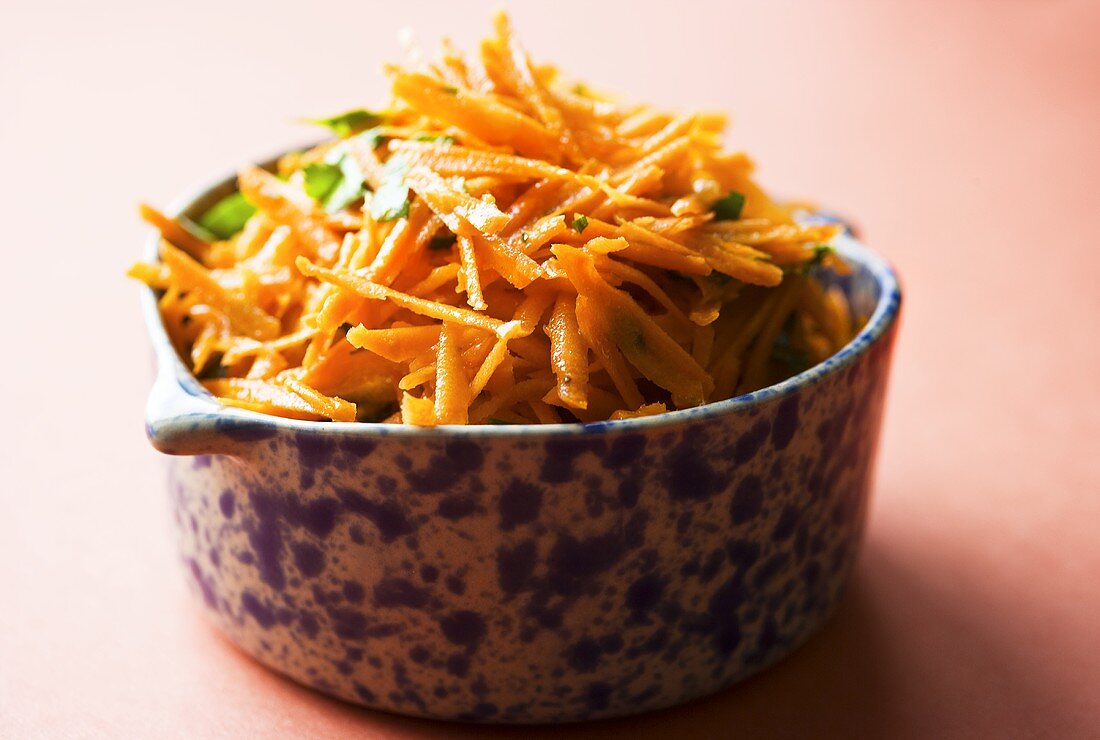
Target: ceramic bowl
530 573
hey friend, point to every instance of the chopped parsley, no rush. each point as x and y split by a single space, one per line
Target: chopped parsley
373 135
320 178
449 89
228 216
391 200
436 138
821 251
335 183
728 208
580 223
351 122
349 189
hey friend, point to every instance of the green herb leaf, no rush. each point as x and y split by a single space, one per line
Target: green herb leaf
351 122
373 135
228 216
391 200
349 189
437 138
729 207
449 89
580 223
820 252
320 179
336 183
439 242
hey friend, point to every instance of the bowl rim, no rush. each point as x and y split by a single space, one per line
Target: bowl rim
218 415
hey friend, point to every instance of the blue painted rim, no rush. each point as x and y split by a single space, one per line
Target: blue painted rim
207 413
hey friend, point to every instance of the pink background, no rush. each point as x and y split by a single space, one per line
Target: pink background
962 138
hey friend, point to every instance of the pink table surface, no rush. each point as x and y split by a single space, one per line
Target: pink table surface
961 136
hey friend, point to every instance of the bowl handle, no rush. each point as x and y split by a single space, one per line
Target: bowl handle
181 418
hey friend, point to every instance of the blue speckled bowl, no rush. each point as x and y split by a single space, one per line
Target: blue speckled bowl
530 573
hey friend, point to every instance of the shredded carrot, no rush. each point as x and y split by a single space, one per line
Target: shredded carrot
418 411
455 206
336 409
283 204
569 354
452 406
175 232
456 161
650 409
501 246
248 319
471 279
496 357
365 288
493 122
618 318
397 344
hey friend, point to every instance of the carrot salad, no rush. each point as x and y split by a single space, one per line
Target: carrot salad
499 245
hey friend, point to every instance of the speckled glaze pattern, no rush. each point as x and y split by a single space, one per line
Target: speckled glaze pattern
538 574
